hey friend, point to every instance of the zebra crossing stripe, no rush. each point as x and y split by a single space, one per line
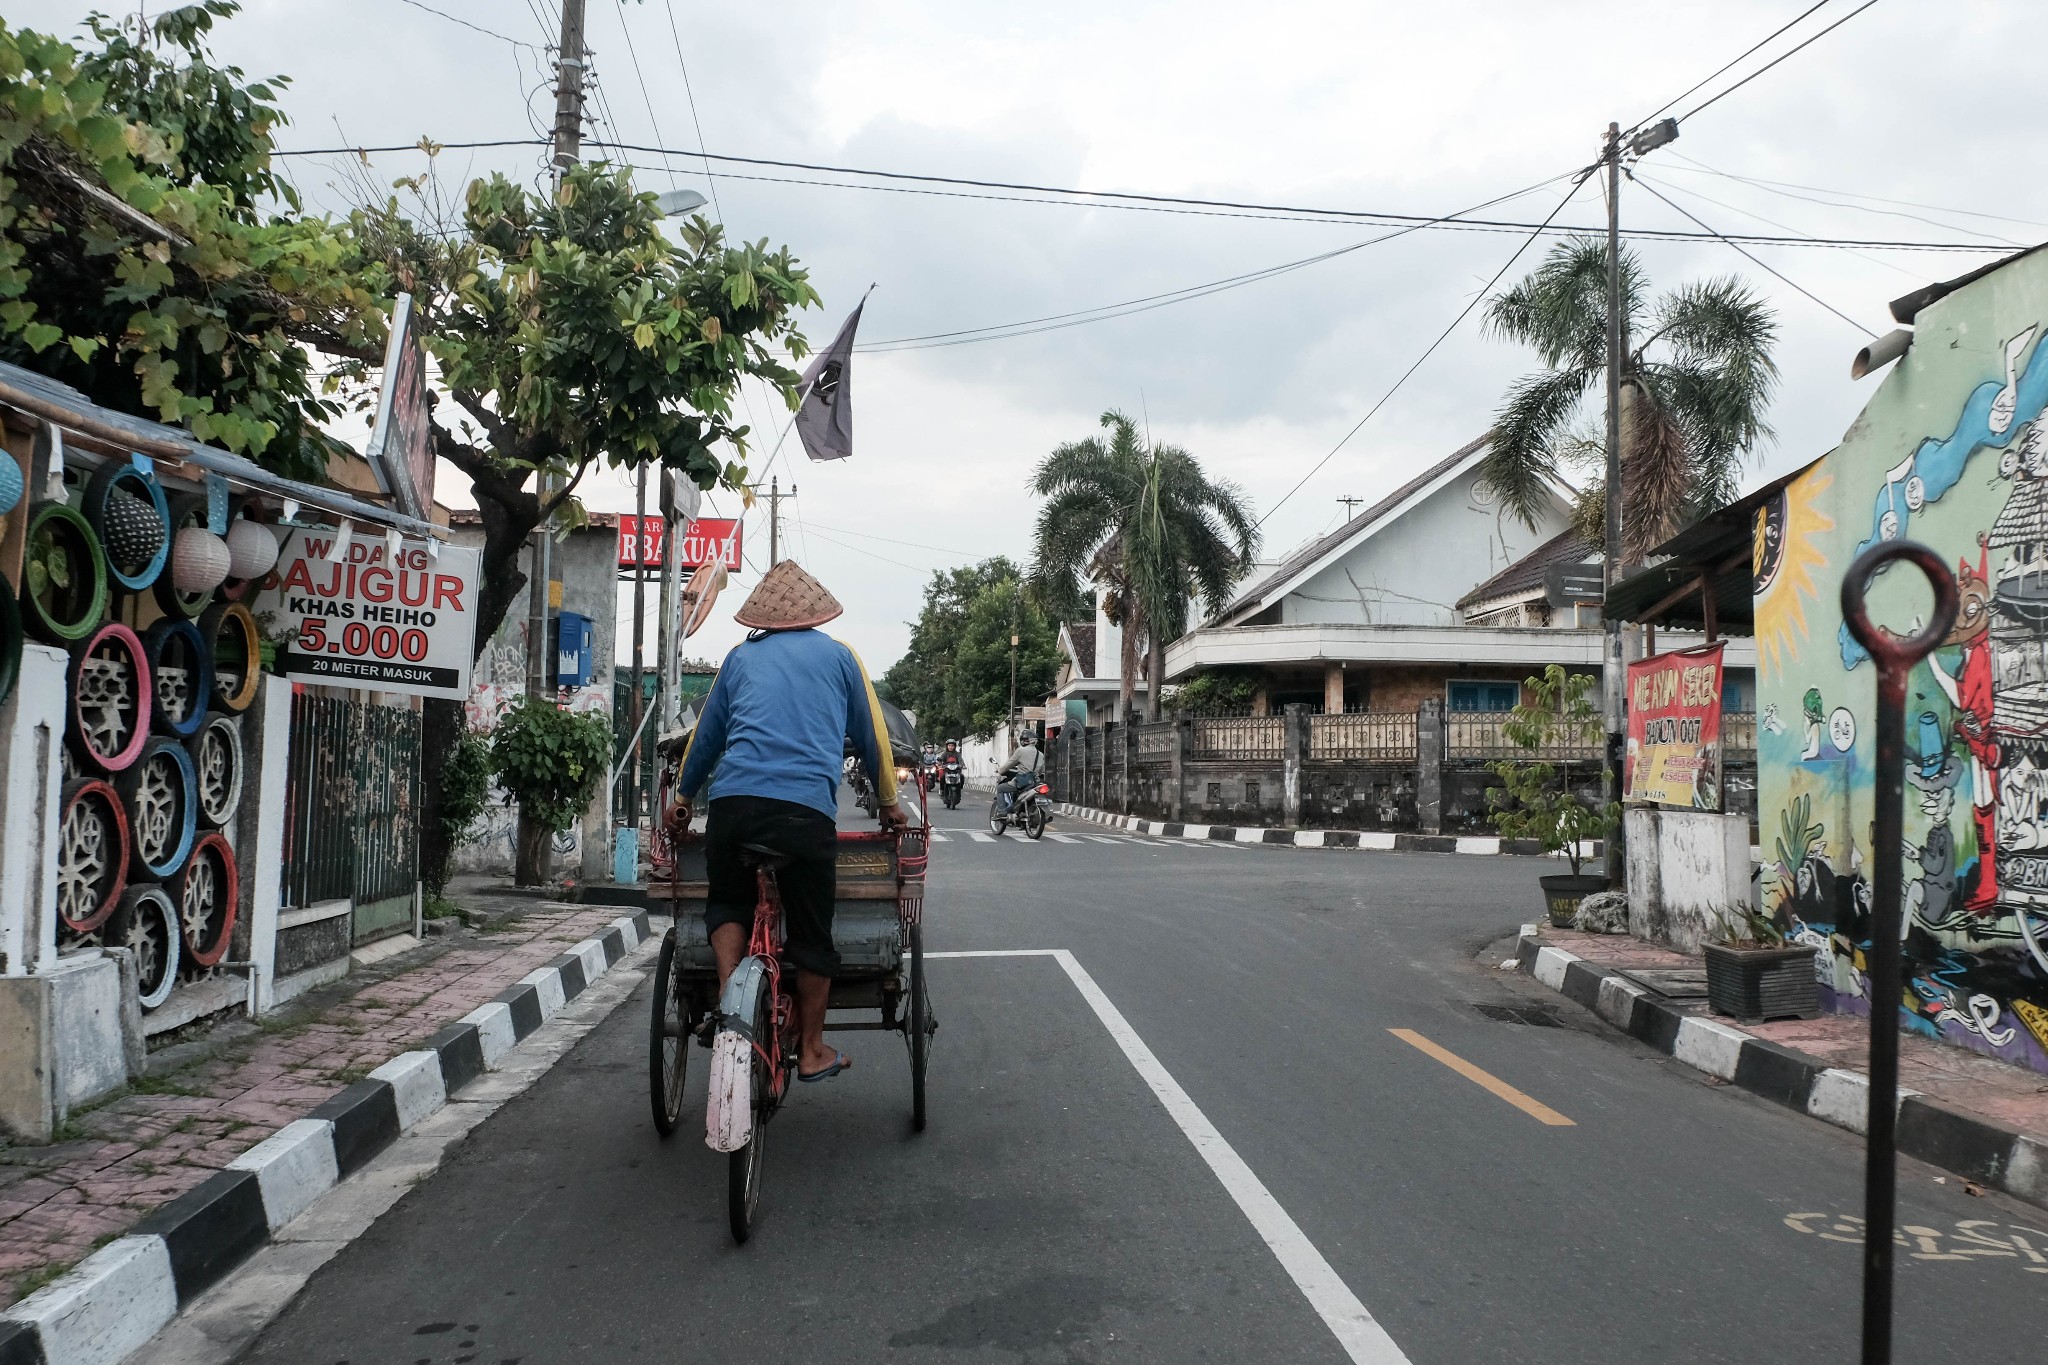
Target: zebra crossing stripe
1063 838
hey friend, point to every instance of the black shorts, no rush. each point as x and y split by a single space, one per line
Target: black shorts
808 882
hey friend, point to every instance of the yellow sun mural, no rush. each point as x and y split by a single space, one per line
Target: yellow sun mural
1783 556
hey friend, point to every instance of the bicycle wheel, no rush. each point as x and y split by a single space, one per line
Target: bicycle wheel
1034 823
920 1028
743 1168
668 1041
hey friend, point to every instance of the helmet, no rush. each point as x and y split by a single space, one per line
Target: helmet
952 744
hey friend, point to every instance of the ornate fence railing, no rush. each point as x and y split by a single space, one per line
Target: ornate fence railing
1362 736
1240 738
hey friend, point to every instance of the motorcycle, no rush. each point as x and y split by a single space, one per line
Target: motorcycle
1031 811
857 782
952 782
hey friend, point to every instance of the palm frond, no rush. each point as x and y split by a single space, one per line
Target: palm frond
1529 429
1656 474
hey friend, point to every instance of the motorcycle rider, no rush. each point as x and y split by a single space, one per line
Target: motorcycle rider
1025 763
952 768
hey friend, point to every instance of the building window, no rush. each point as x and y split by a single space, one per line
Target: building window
1251 793
1484 696
1215 793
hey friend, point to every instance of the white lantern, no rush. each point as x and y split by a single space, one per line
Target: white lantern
199 561
252 549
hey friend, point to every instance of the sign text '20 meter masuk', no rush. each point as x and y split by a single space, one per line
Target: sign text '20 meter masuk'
364 618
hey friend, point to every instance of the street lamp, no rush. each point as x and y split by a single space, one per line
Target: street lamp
673 202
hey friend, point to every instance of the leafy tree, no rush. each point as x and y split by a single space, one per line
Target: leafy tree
552 762
1535 799
1695 389
1147 525
465 790
978 683
917 681
137 261
1213 689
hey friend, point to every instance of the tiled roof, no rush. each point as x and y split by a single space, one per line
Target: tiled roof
1256 594
1082 633
1567 547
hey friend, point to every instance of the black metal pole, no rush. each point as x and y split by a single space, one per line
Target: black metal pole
1894 656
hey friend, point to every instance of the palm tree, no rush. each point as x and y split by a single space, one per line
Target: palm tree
1147 526
1694 391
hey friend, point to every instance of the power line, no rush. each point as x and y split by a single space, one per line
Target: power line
913 544
1752 213
1161 202
1463 313
479 28
1794 23
1785 190
689 93
1775 60
833 540
1634 179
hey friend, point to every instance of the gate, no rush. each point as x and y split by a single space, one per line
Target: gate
352 810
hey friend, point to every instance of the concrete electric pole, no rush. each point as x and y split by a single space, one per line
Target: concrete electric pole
775 497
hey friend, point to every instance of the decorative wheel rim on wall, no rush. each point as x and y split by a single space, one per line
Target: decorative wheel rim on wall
110 697
229 629
207 891
64 577
147 925
162 816
126 507
217 769
92 855
181 676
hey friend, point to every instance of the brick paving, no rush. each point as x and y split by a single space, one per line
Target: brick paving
2006 1094
155 1141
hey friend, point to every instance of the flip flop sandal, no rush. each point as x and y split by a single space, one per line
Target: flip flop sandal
840 1062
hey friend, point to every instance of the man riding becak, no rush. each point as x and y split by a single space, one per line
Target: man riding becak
770 742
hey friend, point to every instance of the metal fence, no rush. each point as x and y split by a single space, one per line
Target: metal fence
1483 734
1156 742
1738 732
352 804
1362 736
1240 738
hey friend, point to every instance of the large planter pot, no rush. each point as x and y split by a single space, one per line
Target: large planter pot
1563 892
1751 985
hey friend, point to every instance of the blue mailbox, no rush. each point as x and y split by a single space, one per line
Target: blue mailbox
572 649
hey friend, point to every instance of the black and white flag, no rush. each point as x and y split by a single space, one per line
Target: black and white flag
824 421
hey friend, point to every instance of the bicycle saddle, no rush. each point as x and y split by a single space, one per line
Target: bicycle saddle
760 855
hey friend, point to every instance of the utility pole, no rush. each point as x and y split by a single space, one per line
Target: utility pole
568 138
1350 506
1613 673
1016 604
637 702
775 497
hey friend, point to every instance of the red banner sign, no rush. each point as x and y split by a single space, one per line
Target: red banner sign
707 540
1674 729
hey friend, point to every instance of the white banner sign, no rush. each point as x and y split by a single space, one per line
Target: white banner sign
369 621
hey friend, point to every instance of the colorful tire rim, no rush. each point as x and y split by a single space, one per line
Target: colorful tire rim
146 924
206 893
163 818
121 541
187 509
110 698
64 576
10 637
180 676
92 855
229 629
217 769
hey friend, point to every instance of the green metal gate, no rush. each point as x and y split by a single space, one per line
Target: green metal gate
352 817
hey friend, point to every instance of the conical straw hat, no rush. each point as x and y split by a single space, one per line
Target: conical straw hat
787 598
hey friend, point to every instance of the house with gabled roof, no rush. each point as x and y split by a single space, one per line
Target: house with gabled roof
1090 678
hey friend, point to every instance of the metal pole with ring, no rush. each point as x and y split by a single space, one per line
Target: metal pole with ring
1894 656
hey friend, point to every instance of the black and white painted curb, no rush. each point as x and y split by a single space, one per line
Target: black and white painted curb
1488 845
1963 1144
115 1300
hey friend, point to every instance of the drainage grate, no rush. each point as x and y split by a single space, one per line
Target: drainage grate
1535 1016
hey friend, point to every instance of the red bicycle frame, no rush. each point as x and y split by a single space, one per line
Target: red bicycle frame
766 944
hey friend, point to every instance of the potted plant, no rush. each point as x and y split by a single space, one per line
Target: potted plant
1756 975
1535 799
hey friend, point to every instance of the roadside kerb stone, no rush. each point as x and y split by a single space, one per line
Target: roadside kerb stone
1471 845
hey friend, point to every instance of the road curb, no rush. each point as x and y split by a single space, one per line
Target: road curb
1960 1143
115 1300
1486 845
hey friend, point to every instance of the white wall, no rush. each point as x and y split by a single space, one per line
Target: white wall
1412 571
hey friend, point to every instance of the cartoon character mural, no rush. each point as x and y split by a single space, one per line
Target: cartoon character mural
1952 451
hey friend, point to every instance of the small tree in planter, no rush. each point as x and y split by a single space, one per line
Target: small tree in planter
1755 973
551 761
1535 800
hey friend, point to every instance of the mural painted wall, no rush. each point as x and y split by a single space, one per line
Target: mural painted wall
1951 451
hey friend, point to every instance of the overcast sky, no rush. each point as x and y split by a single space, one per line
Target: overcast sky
1376 105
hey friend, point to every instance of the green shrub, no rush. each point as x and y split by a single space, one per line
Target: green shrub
550 760
1534 801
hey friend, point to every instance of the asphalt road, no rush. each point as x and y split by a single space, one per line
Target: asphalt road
1057 1211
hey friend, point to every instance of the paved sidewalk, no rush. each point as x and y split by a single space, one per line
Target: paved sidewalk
2011 1096
170 1131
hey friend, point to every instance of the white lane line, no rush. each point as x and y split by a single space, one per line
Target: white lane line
981 836
1063 838
1356 1330
1102 839
936 837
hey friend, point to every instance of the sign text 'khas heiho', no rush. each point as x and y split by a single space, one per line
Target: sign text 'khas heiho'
365 618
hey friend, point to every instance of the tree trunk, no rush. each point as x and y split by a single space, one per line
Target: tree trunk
1155 677
534 860
441 723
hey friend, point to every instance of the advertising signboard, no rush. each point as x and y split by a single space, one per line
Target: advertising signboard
368 619
705 540
401 451
1674 729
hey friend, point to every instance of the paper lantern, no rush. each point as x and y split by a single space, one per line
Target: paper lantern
10 483
133 532
252 549
199 560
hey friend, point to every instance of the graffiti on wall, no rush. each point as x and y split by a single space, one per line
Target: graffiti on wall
1975 855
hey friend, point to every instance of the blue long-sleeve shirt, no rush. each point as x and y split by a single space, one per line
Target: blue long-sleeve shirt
777 719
